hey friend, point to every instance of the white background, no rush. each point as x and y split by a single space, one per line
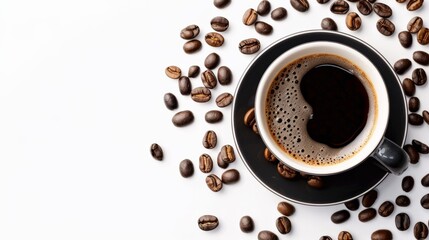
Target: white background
81 101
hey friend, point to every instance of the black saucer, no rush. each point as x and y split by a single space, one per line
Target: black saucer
341 187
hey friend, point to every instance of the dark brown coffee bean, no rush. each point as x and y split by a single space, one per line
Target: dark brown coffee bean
183 118
213 116
192 46
186 168
425 180
344 235
210 139
185 86
329 24
267 235
407 183
205 163
382 10
402 65
413 5
402 221
425 201
401 1
353 21
227 153
413 104
339 7
300 5
249 46
353 204
415 24
230 176
421 57
193 71
420 230
214 39
221 3
369 198
246 224
285 208
385 27
405 39
264 7
156 151
208 222
219 23
325 238
322 1
382 234
190 32
201 94
249 118
364 7
426 116
419 76
170 101
220 162
250 16
409 87
224 75
208 79
423 36
269 156
173 72
415 119
285 171
386 209
224 100
279 13
412 153
420 146
402 201
263 28
315 182
283 225
367 214
214 183
212 60
340 216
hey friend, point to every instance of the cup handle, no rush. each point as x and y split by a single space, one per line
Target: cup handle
391 156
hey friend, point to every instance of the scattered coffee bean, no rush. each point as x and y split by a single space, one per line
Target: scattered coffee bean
405 39
340 216
185 86
156 151
329 24
183 118
412 153
220 162
385 26
205 163
423 36
401 1
403 201
413 104
224 75
386 209
250 16
325 238
353 204
425 201
193 71
315 182
173 72
409 87
213 116
190 32
208 222
219 23
402 65
283 225
285 208
249 46
323 1
413 5
402 221
186 168
227 153
201 94
420 146
212 60
421 57
382 234
415 119
279 13
192 46
267 235
224 100
382 10
367 214
269 156
425 180
339 7
407 183
230 176
221 3
285 171
415 24
170 101
249 118
345 235
264 7
353 21
364 7
426 116
214 39
369 198
420 230
210 139
419 76
246 224
263 28
214 183
300 5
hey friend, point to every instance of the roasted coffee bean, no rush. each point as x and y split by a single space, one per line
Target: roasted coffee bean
249 118
409 87
401 1
426 116
186 168
269 156
413 5
170 101
353 204
279 13
193 71
364 7
208 77
300 5
224 75
420 147
412 153
219 23
173 72
267 235
425 201
421 57
201 94
156 151
208 222
183 118
190 32
382 234
420 230
221 3
205 163
283 225
250 16
213 116
382 10
220 162
315 182
249 46
353 21
407 183
413 104
369 198
210 139
285 208
367 214
214 39
344 235
246 224
415 24
425 180
264 7
385 26
224 100
419 76
415 119
402 201
230 176
192 46
325 238
212 60
185 86
329 24
263 28
405 39
214 183
386 209
286 171
340 7
227 153
402 65
423 36
402 221
340 216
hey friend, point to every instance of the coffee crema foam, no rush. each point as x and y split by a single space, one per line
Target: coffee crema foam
287 113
